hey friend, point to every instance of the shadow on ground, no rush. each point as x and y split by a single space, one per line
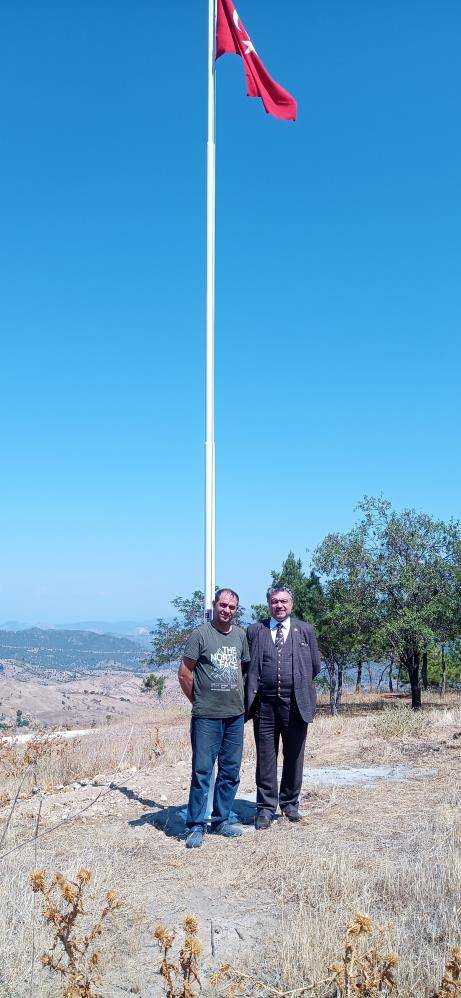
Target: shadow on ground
132 795
172 820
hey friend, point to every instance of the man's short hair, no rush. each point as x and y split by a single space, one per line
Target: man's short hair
279 589
225 589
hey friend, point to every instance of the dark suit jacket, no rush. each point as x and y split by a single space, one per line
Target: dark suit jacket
306 665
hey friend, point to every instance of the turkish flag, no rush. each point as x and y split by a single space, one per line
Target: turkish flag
232 37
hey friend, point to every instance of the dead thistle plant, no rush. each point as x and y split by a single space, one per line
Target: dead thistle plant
155 747
364 973
239 984
72 953
450 986
180 978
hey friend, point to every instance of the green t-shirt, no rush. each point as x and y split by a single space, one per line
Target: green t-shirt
218 680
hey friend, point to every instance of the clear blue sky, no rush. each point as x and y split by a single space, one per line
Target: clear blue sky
338 291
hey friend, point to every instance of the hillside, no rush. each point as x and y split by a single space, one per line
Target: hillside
54 697
70 649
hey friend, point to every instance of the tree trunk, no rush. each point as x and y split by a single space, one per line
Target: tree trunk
391 666
411 660
331 666
443 681
383 673
359 676
339 688
399 670
424 670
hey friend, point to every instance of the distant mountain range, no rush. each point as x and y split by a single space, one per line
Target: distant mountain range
138 630
71 649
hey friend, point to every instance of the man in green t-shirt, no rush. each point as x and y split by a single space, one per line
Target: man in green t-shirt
211 677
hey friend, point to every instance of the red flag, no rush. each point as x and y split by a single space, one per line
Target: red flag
232 37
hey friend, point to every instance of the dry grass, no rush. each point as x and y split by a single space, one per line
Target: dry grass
47 762
365 969
392 851
17 916
406 873
400 721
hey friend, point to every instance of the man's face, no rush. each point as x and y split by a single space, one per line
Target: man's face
224 609
280 605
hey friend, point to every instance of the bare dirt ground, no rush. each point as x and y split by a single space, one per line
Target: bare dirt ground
275 903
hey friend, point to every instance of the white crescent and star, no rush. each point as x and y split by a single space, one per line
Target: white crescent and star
245 41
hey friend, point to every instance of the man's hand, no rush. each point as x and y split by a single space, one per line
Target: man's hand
186 677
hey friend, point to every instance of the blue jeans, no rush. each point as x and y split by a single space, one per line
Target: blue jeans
214 738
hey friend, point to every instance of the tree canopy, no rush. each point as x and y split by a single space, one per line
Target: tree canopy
402 577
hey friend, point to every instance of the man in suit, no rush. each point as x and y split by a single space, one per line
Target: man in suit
280 697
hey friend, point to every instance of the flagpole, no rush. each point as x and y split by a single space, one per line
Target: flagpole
210 475
210 529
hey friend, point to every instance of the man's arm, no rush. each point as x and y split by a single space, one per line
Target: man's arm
245 660
315 654
186 677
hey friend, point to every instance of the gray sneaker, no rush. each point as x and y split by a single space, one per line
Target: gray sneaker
195 837
225 828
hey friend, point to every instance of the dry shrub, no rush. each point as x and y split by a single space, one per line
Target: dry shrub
10 761
401 721
40 761
48 762
181 977
72 952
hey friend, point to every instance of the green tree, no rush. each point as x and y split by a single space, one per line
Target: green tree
347 620
336 635
306 589
21 722
170 636
407 567
155 682
444 665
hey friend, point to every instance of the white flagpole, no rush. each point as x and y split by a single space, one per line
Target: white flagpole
210 530
210 553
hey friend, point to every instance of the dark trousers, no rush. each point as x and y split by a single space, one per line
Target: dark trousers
277 717
214 738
